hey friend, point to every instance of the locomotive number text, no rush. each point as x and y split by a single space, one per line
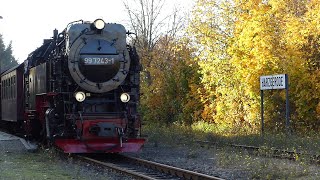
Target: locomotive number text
98 61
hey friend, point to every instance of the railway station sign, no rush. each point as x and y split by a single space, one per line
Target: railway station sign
270 82
273 82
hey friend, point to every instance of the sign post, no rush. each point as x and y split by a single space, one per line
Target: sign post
272 82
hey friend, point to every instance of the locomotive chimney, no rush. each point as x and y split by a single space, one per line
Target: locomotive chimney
55 34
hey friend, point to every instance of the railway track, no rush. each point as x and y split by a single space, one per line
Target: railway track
143 169
278 153
273 152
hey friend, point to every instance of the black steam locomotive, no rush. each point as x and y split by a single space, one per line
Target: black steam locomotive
79 90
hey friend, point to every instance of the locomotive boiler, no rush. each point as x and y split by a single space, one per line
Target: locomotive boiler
79 90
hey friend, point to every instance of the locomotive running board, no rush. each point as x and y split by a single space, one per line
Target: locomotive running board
99 145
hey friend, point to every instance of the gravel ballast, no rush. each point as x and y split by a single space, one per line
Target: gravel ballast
227 163
223 162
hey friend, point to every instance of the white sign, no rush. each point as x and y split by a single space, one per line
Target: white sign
273 82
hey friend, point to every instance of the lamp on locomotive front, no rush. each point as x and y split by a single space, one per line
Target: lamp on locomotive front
125 97
80 96
99 24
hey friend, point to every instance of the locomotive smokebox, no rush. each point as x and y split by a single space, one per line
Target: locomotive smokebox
98 60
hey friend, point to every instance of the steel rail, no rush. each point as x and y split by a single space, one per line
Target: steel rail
182 173
118 169
164 169
276 153
279 153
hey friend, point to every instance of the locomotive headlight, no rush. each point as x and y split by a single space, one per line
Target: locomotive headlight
125 97
80 96
99 24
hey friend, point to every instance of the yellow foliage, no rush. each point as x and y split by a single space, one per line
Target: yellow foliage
241 41
213 74
172 96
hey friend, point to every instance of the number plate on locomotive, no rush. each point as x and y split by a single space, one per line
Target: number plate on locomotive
98 59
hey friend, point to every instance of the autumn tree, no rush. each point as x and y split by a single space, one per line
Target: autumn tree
166 62
149 23
174 97
211 29
238 41
272 38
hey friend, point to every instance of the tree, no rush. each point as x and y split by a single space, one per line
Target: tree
238 41
165 59
174 97
212 29
6 58
148 23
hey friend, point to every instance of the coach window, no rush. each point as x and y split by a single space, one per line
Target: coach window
1 89
2 86
10 88
14 86
7 88
6 93
4 89
11 85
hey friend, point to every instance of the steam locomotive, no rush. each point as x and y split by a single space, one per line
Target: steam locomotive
78 91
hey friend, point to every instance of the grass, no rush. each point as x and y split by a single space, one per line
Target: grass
186 135
47 164
41 165
266 168
227 157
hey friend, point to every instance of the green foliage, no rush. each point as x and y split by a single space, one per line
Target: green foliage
6 58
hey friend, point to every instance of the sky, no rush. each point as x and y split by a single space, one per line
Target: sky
27 22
